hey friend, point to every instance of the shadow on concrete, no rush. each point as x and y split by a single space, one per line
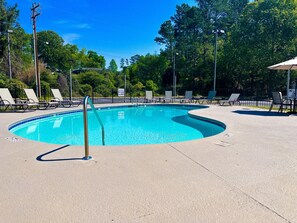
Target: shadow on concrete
261 113
40 158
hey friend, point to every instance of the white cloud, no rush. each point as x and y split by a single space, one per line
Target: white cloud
61 21
70 37
82 26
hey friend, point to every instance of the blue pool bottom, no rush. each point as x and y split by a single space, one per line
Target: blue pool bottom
152 124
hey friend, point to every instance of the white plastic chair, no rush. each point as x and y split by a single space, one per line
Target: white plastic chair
168 96
148 96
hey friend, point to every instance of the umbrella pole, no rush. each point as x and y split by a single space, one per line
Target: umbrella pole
288 82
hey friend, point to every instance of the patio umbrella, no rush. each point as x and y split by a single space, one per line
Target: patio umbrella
286 65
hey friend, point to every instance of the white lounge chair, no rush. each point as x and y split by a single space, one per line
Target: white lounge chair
231 101
32 98
65 103
148 96
168 96
8 102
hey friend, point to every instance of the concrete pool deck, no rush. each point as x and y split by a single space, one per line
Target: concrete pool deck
246 174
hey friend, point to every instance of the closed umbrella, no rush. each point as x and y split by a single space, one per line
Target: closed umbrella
286 65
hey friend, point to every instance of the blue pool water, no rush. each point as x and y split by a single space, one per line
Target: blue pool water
122 125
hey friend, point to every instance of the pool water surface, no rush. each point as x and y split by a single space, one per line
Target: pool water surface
122 126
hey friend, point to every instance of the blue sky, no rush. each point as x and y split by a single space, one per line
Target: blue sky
113 28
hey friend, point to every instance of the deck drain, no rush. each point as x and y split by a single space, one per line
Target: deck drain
223 144
13 139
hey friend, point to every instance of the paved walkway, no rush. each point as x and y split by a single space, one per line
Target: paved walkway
246 174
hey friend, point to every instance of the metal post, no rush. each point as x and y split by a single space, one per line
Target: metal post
125 89
174 76
288 82
86 133
35 65
215 61
295 97
34 15
111 95
9 59
70 84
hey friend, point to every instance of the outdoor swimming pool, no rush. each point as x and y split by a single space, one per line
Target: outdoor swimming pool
151 124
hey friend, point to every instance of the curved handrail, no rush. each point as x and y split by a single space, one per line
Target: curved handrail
87 100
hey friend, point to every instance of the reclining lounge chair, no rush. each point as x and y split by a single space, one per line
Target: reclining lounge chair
209 99
32 98
148 97
65 103
231 101
168 96
188 97
8 102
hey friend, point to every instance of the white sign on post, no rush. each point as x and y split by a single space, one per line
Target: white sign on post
121 92
291 93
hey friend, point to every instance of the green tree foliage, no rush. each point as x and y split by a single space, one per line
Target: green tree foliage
15 87
56 55
94 60
20 49
257 34
113 67
101 83
122 63
167 35
50 49
149 67
137 89
85 90
134 59
8 18
264 35
150 85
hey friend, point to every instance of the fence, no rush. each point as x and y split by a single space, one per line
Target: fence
46 94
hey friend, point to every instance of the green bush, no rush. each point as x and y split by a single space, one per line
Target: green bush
151 86
16 88
45 90
85 90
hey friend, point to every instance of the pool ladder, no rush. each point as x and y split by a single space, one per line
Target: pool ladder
87 100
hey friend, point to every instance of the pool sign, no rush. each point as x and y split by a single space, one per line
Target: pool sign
121 92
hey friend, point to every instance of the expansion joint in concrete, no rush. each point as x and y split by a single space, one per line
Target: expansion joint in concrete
229 184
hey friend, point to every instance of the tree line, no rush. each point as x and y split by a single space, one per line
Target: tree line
250 36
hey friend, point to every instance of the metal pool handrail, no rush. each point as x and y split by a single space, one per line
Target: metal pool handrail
87 100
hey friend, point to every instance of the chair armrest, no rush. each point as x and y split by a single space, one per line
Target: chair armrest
287 100
30 100
21 101
55 100
2 102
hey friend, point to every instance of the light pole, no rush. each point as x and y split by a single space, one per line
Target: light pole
36 68
70 80
217 31
9 60
174 75
125 83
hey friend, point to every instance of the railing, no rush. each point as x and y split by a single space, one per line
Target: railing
87 101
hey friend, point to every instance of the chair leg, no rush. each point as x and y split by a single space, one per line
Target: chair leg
270 107
281 107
